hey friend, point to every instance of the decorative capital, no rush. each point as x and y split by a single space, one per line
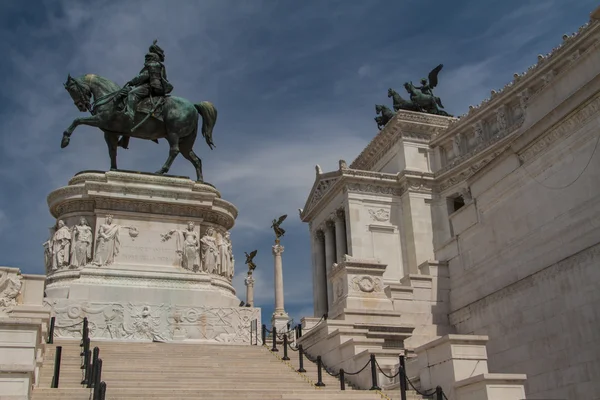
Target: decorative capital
319 235
277 249
249 281
340 213
329 224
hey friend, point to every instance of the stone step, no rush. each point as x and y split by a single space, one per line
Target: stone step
135 371
254 394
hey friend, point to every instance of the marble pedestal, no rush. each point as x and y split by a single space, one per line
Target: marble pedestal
143 257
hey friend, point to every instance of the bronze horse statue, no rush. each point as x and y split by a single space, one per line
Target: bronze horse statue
400 103
175 119
428 103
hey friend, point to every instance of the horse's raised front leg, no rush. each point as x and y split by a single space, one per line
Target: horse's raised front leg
112 141
173 152
90 121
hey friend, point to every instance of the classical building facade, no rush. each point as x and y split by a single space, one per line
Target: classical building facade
487 225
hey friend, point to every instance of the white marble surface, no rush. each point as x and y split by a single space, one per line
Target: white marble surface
144 257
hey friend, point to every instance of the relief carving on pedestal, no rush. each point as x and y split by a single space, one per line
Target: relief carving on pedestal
144 323
188 246
210 251
60 246
379 215
82 237
10 287
366 284
108 242
226 261
153 321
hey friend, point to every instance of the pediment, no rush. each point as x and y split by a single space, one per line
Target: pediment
322 186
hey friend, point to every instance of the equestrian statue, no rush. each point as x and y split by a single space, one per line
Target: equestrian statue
422 98
143 109
385 117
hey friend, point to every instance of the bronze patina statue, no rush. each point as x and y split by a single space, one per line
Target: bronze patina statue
422 98
385 117
279 232
249 262
149 113
150 82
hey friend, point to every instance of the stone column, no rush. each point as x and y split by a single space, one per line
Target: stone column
280 317
249 281
329 258
340 236
320 277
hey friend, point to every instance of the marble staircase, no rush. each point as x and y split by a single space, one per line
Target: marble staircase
192 371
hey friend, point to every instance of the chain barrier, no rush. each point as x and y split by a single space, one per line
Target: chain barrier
358 372
386 375
323 318
434 391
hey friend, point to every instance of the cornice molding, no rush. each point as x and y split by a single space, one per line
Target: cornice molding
407 125
366 182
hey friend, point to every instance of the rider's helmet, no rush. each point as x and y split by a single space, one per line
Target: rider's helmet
157 50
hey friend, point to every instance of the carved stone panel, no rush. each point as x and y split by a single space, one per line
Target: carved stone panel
148 322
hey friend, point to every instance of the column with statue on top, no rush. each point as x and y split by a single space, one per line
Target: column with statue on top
249 281
280 318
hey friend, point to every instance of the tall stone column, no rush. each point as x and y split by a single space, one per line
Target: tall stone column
329 257
249 281
320 277
280 317
340 235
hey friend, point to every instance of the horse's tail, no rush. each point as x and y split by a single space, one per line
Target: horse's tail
208 112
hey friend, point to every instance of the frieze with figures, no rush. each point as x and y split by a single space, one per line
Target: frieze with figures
152 322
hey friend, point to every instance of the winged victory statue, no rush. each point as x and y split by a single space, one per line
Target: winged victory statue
422 98
249 262
279 232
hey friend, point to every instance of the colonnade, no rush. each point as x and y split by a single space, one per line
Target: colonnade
329 247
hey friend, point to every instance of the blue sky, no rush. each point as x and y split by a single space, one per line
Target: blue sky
295 84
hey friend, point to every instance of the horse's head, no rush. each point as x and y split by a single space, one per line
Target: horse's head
80 93
378 108
391 92
409 87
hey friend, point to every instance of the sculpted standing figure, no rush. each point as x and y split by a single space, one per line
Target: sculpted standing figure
61 246
81 251
107 242
188 246
151 81
210 252
230 259
223 262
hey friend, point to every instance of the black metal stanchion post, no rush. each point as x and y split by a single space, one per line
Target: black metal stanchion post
92 377
84 334
319 372
88 370
264 334
402 378
86 348
285 347
102 391
301 359
51 331
299 330
97 379
439 393
57 359
342 381
274 339
374 373
86 366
